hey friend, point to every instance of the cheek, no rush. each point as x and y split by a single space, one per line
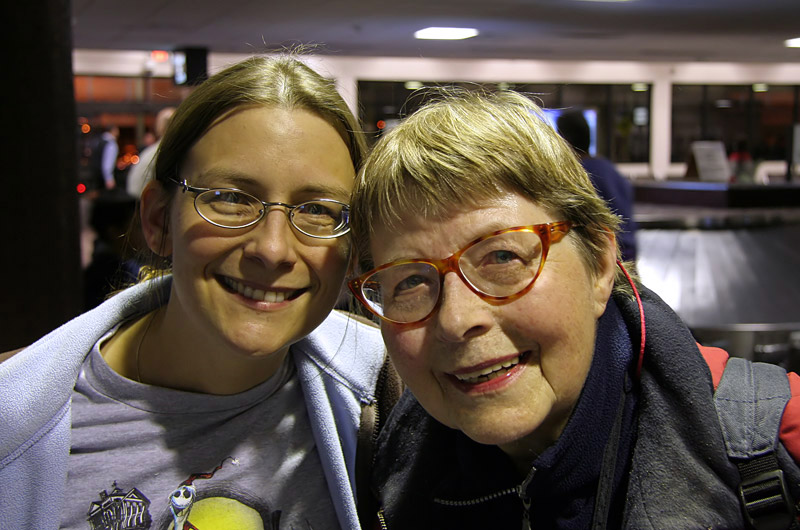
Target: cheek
191 235
329 263
406 349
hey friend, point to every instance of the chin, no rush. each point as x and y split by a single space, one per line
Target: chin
495 437
488 431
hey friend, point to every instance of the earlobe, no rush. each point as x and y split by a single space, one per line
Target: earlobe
154 211
606 272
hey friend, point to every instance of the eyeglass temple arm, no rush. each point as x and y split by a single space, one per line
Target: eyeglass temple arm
182 183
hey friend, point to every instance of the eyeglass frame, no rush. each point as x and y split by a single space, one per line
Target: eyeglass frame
549 234
184 184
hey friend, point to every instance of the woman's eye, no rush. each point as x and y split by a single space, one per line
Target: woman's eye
409 283
499 257
231 197
315 208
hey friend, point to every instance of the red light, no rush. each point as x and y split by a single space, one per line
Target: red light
381 124
159 56
81 188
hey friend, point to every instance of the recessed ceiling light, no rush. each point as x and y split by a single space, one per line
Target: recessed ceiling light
792 43
435 33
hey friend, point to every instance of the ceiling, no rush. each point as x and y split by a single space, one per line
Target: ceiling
642 30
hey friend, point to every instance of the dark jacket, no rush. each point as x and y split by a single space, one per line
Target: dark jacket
670 469
618 193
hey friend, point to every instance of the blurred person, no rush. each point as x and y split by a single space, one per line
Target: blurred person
547 388
104 159
609 183
141 172
112 263
222 390
742 165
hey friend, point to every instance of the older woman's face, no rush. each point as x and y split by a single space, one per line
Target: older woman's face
539 346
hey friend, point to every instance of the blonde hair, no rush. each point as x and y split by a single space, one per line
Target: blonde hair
463 147
280 81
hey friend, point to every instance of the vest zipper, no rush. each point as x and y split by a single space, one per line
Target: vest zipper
526 500
382 520
485 498
526 507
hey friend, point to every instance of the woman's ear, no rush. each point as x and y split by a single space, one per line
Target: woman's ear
154 211
606 272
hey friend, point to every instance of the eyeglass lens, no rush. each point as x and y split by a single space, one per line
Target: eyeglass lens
236 209
502 265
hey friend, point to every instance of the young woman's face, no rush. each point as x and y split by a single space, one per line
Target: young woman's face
539 346
259 289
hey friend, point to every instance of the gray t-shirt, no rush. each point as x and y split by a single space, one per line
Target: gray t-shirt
151 457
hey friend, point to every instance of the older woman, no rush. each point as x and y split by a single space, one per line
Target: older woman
492 265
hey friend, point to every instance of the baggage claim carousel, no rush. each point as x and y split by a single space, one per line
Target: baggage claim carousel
727 260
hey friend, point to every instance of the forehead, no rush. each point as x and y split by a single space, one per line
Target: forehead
271 149
416 236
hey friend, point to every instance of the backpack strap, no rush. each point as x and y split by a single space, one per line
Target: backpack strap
749 401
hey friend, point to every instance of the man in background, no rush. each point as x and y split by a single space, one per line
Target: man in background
104 159
615 189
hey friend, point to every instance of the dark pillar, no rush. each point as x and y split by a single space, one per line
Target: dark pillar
39 220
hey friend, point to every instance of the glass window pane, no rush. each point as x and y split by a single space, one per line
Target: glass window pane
622 111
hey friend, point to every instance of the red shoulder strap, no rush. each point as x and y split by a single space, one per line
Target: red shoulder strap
717 358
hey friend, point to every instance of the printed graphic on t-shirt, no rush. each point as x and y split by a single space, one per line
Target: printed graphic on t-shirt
120 510
192 506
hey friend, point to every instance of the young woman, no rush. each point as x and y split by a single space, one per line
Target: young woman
223 392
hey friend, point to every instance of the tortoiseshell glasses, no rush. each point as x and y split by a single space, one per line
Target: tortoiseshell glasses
499 267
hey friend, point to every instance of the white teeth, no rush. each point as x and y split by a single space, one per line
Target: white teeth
254 294
488 373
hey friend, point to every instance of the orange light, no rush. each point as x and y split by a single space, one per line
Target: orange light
85 128
81 188
135 159
381 124
159 56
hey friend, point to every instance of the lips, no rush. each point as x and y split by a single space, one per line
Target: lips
260 295
489 372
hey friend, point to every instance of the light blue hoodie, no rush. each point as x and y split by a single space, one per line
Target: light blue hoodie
337 365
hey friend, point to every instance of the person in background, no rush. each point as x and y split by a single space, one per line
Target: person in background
112 263
609 183
536 397
104 159
140 173
222 391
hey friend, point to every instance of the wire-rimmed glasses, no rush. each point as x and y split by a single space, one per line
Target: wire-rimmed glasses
499 267
233 208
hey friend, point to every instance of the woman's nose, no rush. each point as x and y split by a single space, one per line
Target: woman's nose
272 240
462 314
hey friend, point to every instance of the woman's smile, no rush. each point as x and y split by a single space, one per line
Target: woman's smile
258 294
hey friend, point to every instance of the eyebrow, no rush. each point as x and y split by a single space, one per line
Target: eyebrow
236 179
492 226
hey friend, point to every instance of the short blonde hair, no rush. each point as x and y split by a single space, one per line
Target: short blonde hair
465 146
